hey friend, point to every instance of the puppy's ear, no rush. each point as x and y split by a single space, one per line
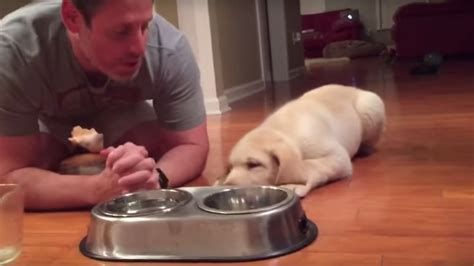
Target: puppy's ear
290 164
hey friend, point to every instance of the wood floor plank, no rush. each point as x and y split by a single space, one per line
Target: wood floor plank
458 193
443 248
33 256
302 258
440 222
401 261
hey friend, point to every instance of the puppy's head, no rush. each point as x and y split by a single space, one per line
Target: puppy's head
261 157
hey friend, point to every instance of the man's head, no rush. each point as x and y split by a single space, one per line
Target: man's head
108 36
87 8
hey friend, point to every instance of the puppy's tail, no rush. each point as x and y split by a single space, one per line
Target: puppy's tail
371 110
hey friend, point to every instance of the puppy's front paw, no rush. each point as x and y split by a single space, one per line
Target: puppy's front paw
300 190
219 182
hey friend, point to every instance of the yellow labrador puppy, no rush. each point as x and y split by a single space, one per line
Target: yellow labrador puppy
308 141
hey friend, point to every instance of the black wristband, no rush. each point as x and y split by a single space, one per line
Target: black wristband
162 178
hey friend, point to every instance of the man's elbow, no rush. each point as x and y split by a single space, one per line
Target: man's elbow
8 176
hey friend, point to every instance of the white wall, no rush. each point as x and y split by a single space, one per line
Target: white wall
312 6
194 22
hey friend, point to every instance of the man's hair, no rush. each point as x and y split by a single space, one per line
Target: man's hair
87 8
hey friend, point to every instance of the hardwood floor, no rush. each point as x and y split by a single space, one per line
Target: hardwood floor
410 203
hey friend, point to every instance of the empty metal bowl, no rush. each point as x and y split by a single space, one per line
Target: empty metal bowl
199 224
245 200
146 202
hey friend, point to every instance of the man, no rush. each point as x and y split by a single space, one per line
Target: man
94 63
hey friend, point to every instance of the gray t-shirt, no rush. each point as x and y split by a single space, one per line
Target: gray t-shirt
41 79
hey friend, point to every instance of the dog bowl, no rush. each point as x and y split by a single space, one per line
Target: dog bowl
245 200
199 224
144 203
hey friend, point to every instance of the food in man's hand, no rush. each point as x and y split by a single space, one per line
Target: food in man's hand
88 139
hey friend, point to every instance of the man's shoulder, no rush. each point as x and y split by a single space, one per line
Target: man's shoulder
168 48
164 36
29 47
32 26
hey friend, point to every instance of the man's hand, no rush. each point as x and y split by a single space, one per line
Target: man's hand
135 169
108 186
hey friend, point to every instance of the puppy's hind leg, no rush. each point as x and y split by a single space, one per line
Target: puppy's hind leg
319 171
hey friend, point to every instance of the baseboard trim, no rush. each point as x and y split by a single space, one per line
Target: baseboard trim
244 90
216 106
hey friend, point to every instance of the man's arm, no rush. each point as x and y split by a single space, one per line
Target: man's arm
186 153
45 189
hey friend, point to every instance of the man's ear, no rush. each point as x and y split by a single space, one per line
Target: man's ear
290 164
71 16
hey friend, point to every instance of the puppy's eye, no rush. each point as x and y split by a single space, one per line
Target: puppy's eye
253 164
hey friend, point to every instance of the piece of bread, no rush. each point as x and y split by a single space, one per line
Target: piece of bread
88 139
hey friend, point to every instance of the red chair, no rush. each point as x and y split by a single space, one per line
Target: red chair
446 28
320 29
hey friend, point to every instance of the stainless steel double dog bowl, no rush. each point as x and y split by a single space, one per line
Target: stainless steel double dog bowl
199 224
